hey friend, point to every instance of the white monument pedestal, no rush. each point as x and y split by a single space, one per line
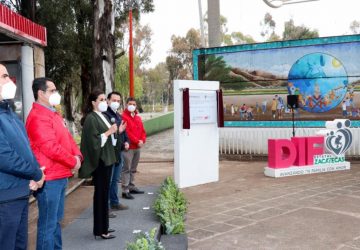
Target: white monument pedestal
196 150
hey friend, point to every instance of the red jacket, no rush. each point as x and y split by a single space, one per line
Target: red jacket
51 142
134 129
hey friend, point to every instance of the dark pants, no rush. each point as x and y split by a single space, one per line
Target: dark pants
14 224
101 179
115 177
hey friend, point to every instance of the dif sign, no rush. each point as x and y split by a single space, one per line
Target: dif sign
324 152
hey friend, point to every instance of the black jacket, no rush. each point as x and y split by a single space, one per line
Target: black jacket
123 136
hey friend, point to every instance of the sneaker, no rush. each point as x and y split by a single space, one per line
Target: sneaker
119 207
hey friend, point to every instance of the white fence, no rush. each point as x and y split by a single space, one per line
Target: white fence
253 141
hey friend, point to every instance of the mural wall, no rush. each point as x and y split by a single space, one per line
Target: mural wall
324 73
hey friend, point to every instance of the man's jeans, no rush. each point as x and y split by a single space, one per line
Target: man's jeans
14 224
50 200
115 177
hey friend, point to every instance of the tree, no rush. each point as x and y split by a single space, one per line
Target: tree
355 27
122 77
293 32
141 43
229 39
155 84
179 61
268 28
83 45
240 38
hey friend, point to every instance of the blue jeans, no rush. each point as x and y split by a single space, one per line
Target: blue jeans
115 177
14 224
51 199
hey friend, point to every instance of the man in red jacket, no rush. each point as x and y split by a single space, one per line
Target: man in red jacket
55 149
137 137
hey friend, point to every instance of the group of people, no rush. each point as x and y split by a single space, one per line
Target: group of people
111 145
246 112
38 159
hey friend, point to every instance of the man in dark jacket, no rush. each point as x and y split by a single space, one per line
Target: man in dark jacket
114 99
19 171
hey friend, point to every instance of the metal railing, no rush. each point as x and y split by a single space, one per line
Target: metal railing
253 141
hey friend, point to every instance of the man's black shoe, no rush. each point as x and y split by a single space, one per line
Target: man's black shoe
136 191
118 207
127 196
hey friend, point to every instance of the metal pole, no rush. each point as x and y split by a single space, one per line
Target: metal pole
214 23
293 121
131 55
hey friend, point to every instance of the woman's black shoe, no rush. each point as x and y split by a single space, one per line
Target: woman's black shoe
106 236
110 230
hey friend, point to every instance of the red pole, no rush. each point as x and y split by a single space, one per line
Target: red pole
131 55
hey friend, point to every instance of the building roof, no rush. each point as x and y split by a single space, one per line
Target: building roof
18 28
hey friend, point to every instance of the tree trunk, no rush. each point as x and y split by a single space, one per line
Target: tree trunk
68 102
85 78
104 45
84 25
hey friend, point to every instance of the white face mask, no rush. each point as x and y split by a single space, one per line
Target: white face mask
102 106
114 106
131 108
55 99
8 90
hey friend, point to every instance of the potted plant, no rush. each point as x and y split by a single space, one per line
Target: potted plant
170 206
145 241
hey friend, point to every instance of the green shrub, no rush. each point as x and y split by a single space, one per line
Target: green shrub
170 206
145 241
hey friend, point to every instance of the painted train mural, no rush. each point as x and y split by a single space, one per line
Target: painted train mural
256 78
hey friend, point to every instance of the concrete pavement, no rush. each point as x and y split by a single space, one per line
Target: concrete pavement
246 210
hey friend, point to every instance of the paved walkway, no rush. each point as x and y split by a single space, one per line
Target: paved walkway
246 210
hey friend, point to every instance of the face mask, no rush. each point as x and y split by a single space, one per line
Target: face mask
114 106
8 90
131 108
54 99
102 106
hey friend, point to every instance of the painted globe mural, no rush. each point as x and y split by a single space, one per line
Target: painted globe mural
320 80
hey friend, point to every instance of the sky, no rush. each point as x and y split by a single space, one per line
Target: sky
176 17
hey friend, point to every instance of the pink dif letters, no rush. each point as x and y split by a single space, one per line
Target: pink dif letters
299 151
